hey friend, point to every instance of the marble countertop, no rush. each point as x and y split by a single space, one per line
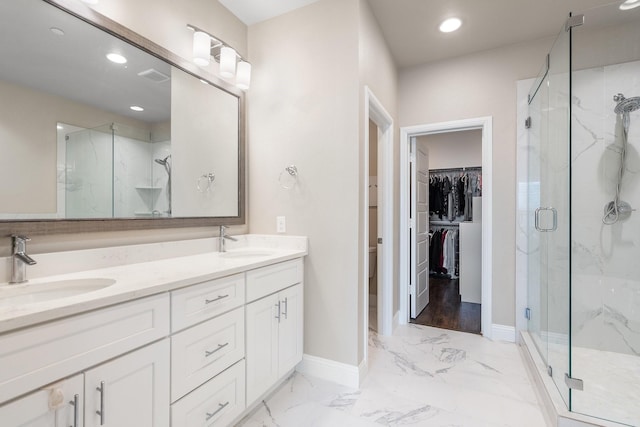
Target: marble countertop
142 279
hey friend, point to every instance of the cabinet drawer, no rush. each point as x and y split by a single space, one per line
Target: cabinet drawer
216 403
45 353
267 280
202 352
201 302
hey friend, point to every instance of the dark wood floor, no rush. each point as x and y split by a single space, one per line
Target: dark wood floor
445 310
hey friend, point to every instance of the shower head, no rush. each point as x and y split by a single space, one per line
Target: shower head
162 162
626 105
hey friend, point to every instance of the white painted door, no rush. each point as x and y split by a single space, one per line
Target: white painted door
59 405
132 390
419 229
290 329
262 345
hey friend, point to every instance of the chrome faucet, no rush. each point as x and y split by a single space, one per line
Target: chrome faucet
20 259
224 237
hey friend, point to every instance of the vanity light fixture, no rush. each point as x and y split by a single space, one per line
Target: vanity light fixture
136 108
629 4
116 58
450 25
232 64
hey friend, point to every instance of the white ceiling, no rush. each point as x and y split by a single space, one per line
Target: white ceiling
411 26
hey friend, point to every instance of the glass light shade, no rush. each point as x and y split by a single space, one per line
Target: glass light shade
243 77
201 48
227 62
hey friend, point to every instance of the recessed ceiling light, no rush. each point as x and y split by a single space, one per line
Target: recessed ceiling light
136 108
449 25
57 31
630 4
117 58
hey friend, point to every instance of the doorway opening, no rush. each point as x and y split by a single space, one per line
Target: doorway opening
446 233
374 232
416 174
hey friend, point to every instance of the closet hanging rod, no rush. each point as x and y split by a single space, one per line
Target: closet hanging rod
462 169
454 225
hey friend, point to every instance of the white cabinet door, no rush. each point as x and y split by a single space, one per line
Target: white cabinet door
58 405
132 390
290 329
262 346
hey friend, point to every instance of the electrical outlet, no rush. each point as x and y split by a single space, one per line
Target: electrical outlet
281 224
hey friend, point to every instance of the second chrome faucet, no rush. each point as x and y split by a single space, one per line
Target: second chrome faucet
223 238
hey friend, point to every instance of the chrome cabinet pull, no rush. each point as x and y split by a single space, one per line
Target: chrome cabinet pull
279 312
286 308
554 225
213 414
101 411
209 301
74 403
220 347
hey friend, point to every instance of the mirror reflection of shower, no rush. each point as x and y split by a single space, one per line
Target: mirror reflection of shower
617 209
167 167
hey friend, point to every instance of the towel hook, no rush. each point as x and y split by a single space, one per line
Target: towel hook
203 183
288 177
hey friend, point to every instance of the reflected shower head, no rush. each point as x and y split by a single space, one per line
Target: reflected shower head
626 105
162 162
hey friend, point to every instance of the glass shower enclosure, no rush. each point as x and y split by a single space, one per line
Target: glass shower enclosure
583 189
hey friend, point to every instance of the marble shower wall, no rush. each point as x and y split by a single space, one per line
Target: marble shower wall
605 258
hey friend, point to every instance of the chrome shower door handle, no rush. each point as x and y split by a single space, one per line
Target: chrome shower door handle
554 224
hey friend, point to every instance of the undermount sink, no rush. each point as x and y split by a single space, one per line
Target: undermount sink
246 253
28 293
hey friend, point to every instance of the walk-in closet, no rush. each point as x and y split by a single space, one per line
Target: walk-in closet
452 208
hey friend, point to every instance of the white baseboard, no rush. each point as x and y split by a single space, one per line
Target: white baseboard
330 370
503 333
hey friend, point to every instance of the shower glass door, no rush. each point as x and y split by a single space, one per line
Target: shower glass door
549 213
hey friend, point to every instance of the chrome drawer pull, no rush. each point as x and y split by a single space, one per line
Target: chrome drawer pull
101 411
286 308
279 310
209 301
74 403
213 414
220 347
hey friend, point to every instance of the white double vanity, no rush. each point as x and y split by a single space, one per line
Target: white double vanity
145 340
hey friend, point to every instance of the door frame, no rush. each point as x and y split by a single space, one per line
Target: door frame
375 111
406 133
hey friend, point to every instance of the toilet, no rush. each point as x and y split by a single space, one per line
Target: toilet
372 261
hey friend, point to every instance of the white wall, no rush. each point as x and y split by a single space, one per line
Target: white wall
303 111
481 84
312 115
453 149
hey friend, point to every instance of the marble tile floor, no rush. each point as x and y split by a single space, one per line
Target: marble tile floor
421 376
